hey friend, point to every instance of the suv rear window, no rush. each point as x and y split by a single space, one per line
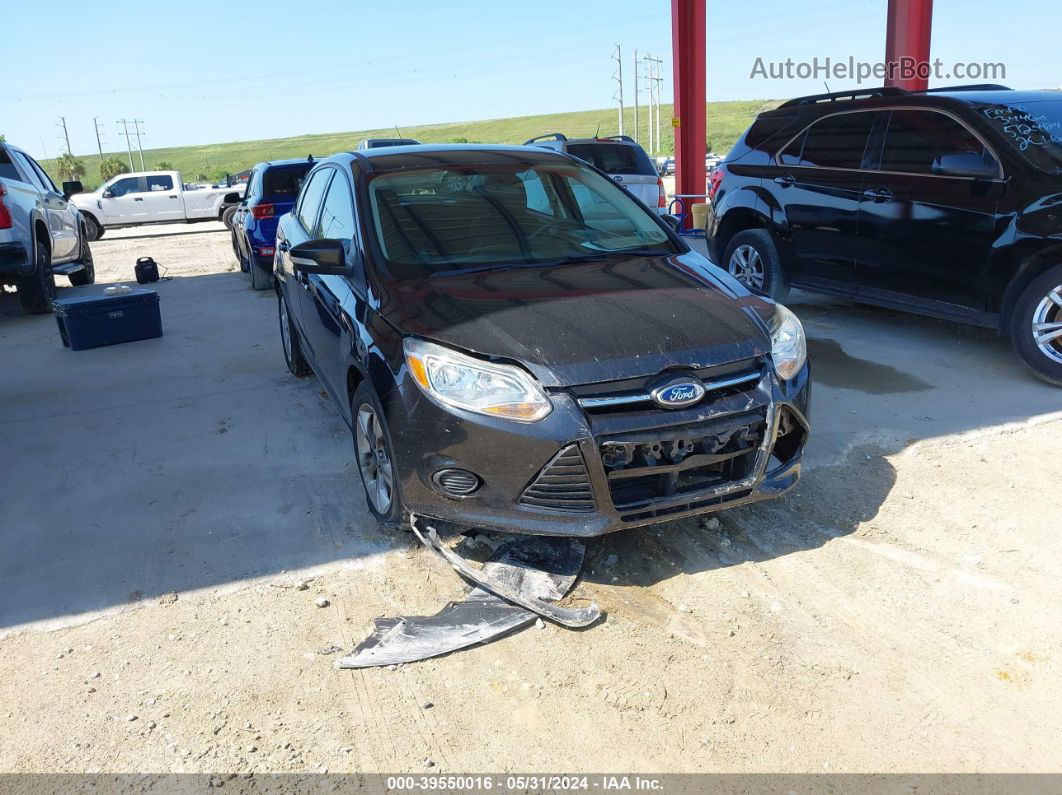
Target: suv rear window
7 168
614 158
833 142
284 181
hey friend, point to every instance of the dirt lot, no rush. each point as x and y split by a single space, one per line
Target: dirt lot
898 612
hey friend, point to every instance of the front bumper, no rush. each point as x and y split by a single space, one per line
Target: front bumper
15 262
586 472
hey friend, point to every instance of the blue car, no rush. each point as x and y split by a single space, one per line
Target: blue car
271 191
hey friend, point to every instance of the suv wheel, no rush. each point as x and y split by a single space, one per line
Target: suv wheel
36 291
93 230
88 273
375 456
289 340
1036 326
752 259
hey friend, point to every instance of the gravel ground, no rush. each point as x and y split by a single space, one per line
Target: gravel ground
898 612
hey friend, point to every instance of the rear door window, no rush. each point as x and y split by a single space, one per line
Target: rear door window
284 182
614 158
158 182
833 142
311 197
920 141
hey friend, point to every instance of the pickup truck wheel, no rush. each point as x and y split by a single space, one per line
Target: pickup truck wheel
261 279
93 230
88 274
36 291
375 456
226 217
1036 326
752 258
289 340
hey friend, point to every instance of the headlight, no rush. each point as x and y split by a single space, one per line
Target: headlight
789 349
498 390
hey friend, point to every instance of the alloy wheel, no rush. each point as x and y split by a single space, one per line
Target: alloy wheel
1047 325
746 265
373 459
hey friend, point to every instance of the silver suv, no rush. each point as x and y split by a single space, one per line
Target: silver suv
41 232
620 157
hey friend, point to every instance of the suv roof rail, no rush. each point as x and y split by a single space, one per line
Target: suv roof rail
547 137
971 87
615 138
862 93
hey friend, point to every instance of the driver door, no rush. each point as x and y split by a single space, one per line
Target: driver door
120 200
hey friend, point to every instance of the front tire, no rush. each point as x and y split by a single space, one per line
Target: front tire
88 274
375 457
93 229
289 341
37 291
1036 326
226 216
752 258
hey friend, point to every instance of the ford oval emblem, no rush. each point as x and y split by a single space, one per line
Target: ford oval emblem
678 394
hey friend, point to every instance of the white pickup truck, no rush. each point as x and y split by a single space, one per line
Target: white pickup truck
151 197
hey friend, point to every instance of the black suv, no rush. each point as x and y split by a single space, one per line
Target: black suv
518 344
946 202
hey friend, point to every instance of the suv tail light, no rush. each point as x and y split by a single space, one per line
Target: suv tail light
714 182
260 211
5 214
661 202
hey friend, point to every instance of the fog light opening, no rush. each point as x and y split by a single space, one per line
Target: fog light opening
790 439
456 482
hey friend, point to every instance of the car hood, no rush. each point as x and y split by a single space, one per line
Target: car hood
588 322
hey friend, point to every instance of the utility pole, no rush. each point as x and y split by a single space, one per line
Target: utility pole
618 77
136 126
635 95
655 81
99 139
659 83
128 146
66 136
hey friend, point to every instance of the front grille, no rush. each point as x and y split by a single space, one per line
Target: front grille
647 466
562 485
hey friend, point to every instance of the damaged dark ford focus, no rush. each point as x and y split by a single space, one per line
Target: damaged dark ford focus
518 344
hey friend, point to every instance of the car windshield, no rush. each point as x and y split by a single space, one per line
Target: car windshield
454 217
285 180
1035 128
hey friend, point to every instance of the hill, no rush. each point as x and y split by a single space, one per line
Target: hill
726 121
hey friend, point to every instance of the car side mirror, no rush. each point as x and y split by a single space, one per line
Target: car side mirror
108 195
963 164
70 188
672 221
320 256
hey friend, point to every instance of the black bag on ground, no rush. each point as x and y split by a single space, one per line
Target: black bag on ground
147 270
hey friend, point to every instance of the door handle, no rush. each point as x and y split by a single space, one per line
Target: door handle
173 197
137 199
786 180
879 196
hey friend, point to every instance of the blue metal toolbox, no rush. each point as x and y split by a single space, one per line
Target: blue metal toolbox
88 318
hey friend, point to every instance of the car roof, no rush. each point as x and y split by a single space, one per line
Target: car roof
294 161
394 157
821 105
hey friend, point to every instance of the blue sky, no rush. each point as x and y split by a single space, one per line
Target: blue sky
204 72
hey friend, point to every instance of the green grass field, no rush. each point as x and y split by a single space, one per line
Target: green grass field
726 121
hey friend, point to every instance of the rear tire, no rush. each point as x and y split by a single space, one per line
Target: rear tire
374 455
1036 326
261 279
88 275
37 291
289 341
752 258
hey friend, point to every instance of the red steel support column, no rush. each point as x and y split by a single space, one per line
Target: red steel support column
909 25
689 53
